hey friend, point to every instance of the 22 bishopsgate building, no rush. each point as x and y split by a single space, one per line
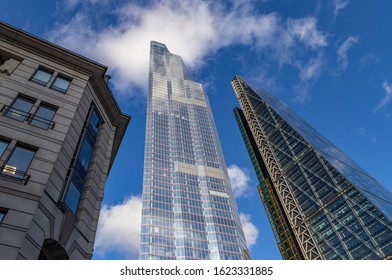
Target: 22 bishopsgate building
320 204
189 211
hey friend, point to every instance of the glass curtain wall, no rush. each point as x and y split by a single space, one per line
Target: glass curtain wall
189 211
334 208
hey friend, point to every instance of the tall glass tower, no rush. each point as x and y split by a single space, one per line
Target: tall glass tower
189 211
321 205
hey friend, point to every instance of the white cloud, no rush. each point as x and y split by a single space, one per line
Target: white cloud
191 29
339 5
343 49
250 230
312 69
194 30
305 29
239 179
308 74
119 229
387 98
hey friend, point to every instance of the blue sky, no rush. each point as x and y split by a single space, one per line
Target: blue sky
330 61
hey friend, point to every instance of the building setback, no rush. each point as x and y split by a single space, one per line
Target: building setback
320 204
60 129
189 211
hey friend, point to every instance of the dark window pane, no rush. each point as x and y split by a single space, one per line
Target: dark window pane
2 214
72 198
82 163
95 121
20 109
43 117
19 162
3 146
42 76
85 154
61 83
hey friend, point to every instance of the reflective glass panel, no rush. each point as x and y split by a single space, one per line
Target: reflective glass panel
81 166
347 211
42 76
3 146
19 162
72 198
61 83
95 121
85 154
43 117
20 109
189 210
2 214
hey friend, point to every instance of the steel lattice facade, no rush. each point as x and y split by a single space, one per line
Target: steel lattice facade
320 204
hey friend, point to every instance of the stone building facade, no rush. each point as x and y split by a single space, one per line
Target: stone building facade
60 129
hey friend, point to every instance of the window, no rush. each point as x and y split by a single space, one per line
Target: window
73 197
61 83
2 214
3 146
42 76
20 109
85 153
95 121
43 117
18 163
78 170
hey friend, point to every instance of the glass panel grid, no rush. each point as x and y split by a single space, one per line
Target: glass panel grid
347 211
186 213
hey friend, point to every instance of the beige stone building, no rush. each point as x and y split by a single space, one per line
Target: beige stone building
60 130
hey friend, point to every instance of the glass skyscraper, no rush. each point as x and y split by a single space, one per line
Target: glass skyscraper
321 205
189 211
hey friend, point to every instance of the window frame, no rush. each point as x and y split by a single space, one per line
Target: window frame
6 141
49 122
27 116
3 212
24 177
77 174
10 109
41 82
63 77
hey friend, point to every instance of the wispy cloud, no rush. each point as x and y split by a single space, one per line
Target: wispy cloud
250 230
368 60
387 98
305 29
195 30
119 229
239 179
343 49
362 131
339 5
309 73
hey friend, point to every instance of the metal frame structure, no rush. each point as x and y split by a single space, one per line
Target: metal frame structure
331 208
296 219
